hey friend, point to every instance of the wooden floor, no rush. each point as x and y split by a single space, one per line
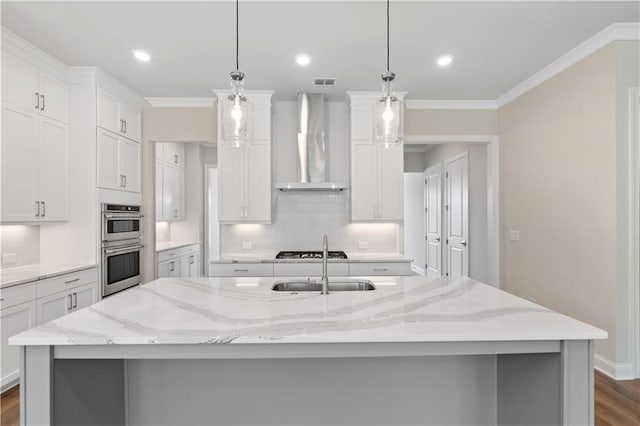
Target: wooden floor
617 403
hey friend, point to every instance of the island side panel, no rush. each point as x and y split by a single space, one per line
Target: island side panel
431 390
89 392
577 382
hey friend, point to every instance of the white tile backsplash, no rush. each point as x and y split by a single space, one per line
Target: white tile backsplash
299 221
21 240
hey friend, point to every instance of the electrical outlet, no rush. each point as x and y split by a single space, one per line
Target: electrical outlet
514 235
363 245
247 245
8 258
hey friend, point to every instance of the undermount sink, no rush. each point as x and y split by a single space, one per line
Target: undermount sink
342 285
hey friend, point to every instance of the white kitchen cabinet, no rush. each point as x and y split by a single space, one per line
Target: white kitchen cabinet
244 182
171 153
169 192
379 268
179 262
35 171
377 184
62 303
26 86
118 162
304 269
117 116
14 320
241 270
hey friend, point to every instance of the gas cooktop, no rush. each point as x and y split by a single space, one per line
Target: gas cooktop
310 255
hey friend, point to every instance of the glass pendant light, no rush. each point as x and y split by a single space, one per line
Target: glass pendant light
237 111
388 109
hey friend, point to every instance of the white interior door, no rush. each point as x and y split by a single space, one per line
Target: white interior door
457 214
433 220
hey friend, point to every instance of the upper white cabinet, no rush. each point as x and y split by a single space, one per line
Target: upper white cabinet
376 173
245 172
170 182
118 162
116 115
35 89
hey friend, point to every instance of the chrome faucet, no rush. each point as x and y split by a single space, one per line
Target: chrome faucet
325 255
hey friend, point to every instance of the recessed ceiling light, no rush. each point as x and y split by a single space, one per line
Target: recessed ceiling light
303 60
141 55
444 60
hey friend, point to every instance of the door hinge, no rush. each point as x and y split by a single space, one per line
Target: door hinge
426 237
447 241
426 209
447 274
446 207
426 266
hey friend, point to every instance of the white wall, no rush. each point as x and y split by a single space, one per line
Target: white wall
414 244
21 240
299 220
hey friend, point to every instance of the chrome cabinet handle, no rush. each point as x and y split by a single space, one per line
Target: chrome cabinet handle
44 209
438 239
70 305
464 243
37 208
240 270
122 181
37 100
72 281
42 106
75 300
125 180
175 158
191 260
379 269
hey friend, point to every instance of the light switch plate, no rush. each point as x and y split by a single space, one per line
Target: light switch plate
363 245
8 258
247 245
514 235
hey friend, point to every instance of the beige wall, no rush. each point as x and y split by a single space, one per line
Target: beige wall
450 122
179 124
558 188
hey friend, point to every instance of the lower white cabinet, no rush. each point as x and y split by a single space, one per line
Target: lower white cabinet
63 303
179 262
14 320
309 269
24 306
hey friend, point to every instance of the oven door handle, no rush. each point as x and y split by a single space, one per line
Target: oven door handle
122 216
123 250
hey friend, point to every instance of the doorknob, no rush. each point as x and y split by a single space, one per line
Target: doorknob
438 239
464 243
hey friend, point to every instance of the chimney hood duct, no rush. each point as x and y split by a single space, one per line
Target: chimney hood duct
312 152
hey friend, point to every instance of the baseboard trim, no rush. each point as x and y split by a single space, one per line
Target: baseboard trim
417 269
615 371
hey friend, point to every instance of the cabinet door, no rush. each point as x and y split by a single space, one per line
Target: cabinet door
173 153
164 269
108 110
131 118
54 306
391 184
54 170
364 203
159 191
362 123
85 295
185 267
14 320
129 164
19 82
108 157
194 265
19 165
231 185
54 98
171 192
258 181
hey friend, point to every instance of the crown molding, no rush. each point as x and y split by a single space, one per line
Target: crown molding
450 104
614 32
157 102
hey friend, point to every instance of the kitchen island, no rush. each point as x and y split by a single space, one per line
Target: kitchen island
231 351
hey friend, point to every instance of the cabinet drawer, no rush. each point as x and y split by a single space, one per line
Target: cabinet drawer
176 253
374 268
67 281
241 270
309 269
14 295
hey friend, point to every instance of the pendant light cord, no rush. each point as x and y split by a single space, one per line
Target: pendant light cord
388 35
237 34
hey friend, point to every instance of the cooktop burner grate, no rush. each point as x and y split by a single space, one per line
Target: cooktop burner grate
310 255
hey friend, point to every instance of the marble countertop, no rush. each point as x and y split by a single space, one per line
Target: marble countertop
173 245
271 258
246 310
38 271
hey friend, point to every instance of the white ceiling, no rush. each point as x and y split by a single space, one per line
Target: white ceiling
496 44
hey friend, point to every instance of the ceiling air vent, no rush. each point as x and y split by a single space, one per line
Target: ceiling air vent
324 81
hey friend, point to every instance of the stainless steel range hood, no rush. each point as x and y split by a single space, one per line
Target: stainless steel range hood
312 149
